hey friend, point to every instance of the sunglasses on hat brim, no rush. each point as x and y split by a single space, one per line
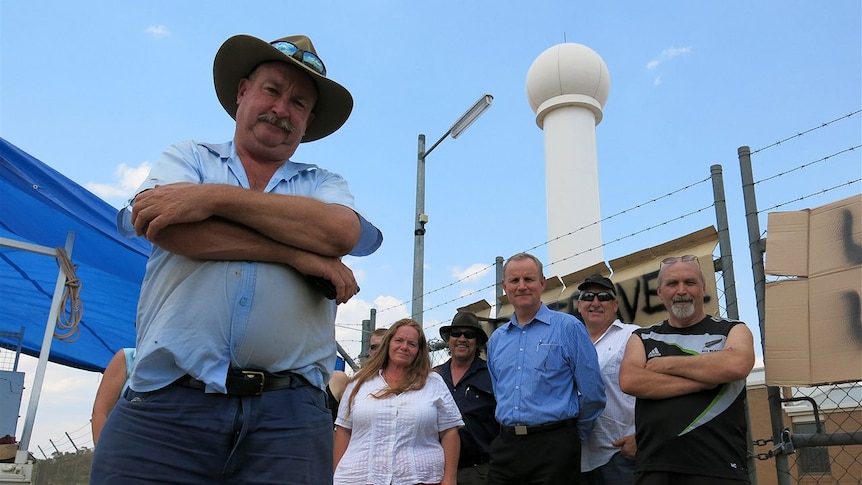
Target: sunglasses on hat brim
308 59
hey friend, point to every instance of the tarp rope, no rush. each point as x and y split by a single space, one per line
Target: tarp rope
67 323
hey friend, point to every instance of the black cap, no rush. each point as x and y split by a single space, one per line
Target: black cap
599 280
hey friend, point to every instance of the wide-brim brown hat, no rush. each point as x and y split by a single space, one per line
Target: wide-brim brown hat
465 320
240 54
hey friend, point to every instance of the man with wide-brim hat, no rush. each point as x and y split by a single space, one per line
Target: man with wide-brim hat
468 379
235 342
465 321
241 54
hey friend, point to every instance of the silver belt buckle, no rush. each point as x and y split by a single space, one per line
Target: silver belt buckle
250 374
520 430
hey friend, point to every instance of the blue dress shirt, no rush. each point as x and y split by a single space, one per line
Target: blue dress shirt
545 371
202 317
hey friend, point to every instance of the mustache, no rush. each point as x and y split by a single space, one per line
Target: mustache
678 298
277 121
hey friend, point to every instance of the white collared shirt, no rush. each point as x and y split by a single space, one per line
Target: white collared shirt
395 440
618 418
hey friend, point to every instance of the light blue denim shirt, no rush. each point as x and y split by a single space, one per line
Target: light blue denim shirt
201 317
545 371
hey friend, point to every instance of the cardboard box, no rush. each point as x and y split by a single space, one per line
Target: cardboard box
786 247
813 328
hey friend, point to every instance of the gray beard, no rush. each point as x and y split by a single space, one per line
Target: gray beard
682 312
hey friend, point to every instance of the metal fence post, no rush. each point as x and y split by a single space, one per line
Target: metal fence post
756 248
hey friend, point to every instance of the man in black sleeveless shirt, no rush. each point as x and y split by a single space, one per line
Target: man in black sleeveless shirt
688 374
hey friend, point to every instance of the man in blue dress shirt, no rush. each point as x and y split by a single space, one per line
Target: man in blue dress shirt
235 324
546 378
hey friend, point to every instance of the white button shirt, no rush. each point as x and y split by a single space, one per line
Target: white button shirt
395 440
618 418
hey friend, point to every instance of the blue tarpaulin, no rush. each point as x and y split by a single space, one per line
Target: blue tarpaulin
39 205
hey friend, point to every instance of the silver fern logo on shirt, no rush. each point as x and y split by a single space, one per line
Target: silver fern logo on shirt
707 347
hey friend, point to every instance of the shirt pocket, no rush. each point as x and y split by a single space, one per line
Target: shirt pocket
475 394
611 368
549 356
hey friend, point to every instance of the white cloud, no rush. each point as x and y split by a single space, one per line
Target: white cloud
472 273
667 55
395 309
128 179
158 31
656 81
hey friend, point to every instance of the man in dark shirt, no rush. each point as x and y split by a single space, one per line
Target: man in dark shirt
470 383
688 375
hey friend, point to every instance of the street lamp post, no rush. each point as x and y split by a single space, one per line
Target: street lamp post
421 217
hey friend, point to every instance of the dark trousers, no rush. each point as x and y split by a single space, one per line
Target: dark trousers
552 457
473 475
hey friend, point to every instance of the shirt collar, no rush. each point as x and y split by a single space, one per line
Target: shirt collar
227 152
542 316
615 326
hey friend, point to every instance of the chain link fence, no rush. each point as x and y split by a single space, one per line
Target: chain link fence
822 435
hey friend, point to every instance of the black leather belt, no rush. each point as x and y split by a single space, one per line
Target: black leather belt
541 428
250 382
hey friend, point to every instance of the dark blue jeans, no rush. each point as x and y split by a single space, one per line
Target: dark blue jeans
180 435
617 471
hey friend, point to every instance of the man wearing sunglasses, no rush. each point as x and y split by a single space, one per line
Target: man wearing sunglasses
467 376
688 374
608 454
235 342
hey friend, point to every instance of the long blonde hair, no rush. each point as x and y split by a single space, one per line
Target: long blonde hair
417 372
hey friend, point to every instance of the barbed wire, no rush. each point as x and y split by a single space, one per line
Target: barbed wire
801 133
603 245
357 327
813 194
488 267
808 164
69 442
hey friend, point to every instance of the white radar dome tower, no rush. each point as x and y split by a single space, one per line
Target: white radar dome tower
567 87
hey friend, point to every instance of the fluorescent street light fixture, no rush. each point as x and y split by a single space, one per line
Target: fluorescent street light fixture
462 124
471 115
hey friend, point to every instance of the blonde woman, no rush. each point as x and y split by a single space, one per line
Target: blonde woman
399 423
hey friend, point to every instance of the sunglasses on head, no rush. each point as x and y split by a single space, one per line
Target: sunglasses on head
309 59
468 334
590 295
679 259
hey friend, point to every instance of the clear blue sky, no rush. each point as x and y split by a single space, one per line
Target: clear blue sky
98 89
